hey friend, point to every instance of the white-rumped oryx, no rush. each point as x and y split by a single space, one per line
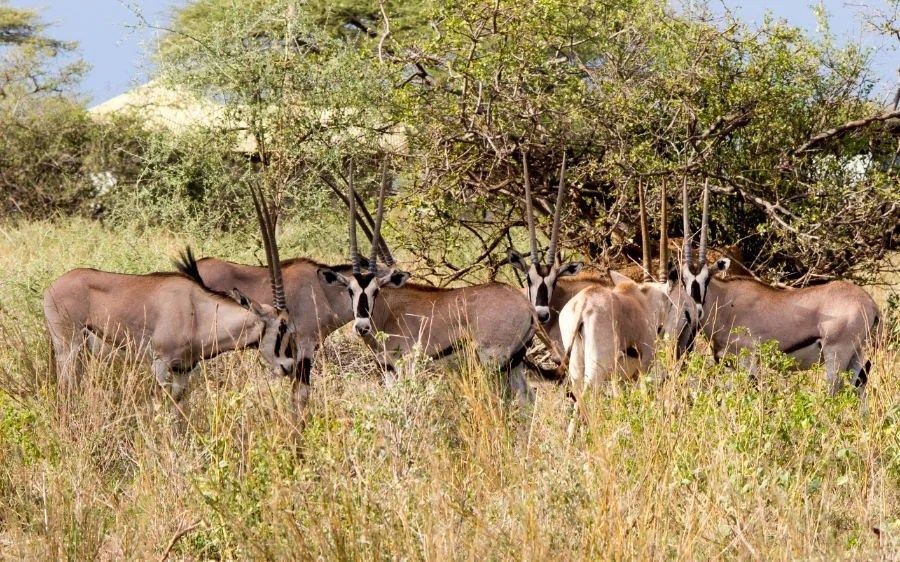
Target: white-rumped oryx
174 320
550 286
494 317
833 322
611 332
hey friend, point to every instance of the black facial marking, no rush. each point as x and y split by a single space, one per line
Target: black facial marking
632 352
800 344
362 306
282 330
695 292
541 298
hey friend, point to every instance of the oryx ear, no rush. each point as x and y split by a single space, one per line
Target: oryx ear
722 265
394 279
250 304
331 277
672 274
570 268
516 260
618 278
240 298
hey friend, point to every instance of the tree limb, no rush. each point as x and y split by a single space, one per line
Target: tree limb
841 129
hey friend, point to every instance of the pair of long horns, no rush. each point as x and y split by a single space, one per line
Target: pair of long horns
379 247
704 225
266 217
529 212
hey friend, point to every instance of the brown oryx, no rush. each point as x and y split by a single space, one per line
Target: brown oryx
832 323
326 306
493 316
612 332
541 278
173 319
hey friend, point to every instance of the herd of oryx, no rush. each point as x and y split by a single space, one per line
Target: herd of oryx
601 327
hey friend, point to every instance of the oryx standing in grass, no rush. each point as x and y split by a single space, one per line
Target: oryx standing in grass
325 305
175 320
550 286
833 322
494 317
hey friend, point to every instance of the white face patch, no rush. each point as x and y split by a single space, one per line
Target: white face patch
540 290
696 285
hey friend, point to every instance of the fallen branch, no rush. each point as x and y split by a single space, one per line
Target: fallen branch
177 537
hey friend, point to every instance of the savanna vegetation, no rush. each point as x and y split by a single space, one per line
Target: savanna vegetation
694 461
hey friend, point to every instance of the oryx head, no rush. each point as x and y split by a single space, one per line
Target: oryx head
363 287
540 278
696 276
277 343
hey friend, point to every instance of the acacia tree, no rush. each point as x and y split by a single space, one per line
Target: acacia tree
43 128
780 125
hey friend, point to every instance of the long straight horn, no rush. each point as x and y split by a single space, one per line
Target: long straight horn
560 198
376 228
704 226
645 231
529 211
265 216
663 233
280 301
686 247
354 251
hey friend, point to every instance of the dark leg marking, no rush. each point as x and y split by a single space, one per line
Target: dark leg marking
863 376
305 372
446 352
801 344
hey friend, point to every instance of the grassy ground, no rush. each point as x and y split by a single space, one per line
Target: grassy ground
690 463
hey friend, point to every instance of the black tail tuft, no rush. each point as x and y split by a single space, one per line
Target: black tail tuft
187 265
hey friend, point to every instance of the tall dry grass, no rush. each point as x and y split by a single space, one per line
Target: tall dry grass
692 462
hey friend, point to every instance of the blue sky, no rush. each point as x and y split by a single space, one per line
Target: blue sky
114 43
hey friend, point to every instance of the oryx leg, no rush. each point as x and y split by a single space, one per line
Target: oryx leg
66 351
301 386
518 383
576 378
838 359
175 385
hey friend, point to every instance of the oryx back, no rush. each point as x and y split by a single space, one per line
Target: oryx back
495 316
832 322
